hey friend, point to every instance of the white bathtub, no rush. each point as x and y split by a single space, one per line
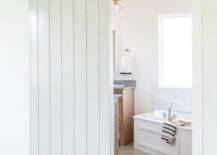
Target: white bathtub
158 116
147 134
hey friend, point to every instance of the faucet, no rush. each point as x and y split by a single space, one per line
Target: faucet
170 117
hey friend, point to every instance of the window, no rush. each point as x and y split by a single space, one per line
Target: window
175 51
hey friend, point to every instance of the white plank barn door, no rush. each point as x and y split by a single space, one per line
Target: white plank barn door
70 92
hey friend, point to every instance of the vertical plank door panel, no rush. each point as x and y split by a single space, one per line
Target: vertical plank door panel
44 77
93 76
80 77
55 77
68 76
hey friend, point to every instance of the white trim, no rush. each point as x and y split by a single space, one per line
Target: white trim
197 76
181 14
34 139
112 71
173 88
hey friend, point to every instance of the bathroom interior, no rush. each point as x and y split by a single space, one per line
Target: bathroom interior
152 71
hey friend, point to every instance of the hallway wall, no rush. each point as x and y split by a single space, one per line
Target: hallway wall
14 78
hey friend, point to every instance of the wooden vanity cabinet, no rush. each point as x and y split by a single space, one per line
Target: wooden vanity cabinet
125 113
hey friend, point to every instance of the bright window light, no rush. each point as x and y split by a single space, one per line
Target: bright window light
175 51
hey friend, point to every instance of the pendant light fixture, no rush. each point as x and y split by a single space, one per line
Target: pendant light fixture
116 6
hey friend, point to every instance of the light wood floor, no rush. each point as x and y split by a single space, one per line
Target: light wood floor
129 150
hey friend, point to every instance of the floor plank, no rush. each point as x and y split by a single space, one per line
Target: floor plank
129 150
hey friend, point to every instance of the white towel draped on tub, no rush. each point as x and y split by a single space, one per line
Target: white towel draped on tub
168 133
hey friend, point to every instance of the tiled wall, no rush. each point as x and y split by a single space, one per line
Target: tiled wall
162 98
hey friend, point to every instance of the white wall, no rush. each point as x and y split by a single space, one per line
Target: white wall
209 76
70 86
197 78
137 30
205 77
14 81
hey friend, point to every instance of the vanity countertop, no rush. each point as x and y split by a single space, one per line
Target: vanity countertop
125 83
119 86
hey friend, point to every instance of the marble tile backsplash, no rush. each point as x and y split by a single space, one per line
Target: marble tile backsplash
162 98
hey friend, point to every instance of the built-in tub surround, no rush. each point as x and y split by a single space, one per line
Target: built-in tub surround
147 135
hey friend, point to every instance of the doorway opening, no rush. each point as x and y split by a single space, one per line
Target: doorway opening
153 76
